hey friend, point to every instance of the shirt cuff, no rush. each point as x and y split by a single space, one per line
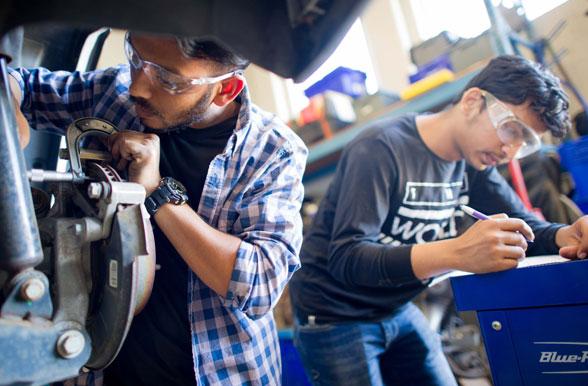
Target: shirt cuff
17 76
239 286
398 268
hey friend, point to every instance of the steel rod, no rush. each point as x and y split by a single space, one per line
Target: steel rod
20 247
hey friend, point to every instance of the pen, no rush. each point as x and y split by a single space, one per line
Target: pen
479 215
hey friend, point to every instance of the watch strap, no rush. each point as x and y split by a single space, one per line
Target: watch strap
156 199
169 190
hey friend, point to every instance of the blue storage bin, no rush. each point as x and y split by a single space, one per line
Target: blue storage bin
439 63
574 158
292 369
582 203
342 79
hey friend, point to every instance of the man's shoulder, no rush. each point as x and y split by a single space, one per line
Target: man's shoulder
119 75
273 131
393 131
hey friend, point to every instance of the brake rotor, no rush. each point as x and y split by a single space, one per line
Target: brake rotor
123 269
144 272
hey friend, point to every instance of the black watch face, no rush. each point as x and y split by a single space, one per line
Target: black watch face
175 186
177 191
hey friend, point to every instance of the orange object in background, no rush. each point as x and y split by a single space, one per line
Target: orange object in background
518 183
316 112
325 114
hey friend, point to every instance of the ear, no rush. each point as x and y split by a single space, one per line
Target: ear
229 90
472 102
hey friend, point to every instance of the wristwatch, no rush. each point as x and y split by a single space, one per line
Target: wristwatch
169 191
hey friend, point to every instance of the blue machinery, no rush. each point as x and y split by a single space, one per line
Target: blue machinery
534 321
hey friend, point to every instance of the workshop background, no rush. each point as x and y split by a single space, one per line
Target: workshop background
402 55
381 48
374 71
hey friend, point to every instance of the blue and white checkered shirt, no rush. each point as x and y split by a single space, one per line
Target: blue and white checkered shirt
253 190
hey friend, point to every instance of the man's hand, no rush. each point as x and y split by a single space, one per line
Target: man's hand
140 153
573 239
492 245
24 131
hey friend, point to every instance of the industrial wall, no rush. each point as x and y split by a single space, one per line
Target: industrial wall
389 36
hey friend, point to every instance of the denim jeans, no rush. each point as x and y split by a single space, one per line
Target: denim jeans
400 350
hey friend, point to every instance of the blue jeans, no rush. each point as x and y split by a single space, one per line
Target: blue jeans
400 350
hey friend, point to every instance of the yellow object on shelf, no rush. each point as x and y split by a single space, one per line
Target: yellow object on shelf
430 82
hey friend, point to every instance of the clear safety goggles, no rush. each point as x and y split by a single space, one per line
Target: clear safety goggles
511 130
170 82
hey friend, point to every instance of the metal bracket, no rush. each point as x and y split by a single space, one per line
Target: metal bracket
78 130
28 296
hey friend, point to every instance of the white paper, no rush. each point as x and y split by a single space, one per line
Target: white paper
525 263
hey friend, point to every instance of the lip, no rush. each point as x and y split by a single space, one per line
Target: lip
490 159
143 112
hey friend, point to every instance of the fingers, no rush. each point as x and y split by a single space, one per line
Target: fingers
514 239
573 239
499 215
509 231
572 252
582 234
516 225
505 264
114 145
121 164
512 252
24 131
132 147
569 252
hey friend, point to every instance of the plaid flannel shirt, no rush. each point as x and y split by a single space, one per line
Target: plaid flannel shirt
253 190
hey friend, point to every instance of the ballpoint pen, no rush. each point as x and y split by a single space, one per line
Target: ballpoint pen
479 215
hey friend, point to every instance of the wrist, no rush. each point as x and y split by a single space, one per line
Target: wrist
15 91
561 235
434 258
451 252
149 189
152 185
168 191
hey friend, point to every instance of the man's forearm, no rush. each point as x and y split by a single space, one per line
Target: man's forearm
211 254
24 134
433 258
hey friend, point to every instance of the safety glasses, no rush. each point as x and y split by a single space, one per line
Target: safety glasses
170 82
511 130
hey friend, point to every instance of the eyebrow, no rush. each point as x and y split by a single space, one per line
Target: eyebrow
157 64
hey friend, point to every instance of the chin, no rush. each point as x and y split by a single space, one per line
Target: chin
476 163
153 123
478 166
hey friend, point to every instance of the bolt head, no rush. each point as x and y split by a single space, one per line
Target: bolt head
70 344
78 229
94 190
33 289
496 325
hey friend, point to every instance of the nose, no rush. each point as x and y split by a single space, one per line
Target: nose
140 84
509 151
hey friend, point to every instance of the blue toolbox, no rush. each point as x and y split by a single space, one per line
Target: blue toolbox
534 320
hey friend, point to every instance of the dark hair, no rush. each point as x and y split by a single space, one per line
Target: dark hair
210 50
514 79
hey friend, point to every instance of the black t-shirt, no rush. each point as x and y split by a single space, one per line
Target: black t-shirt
157 350
390 192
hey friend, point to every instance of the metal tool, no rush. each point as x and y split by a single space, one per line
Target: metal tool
73 308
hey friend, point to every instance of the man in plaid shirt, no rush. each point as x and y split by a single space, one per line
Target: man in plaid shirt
184 112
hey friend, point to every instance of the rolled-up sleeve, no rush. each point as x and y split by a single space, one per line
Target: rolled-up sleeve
269 216
52 100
